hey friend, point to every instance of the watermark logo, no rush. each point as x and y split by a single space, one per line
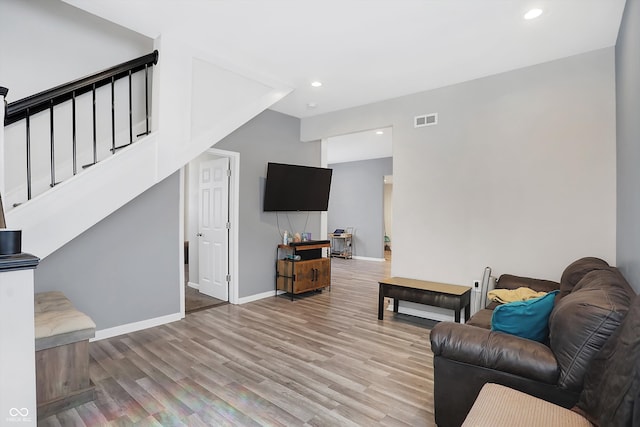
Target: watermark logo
18 415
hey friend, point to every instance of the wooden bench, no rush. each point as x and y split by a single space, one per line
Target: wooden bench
62 336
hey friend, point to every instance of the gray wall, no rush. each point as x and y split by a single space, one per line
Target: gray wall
519 173
357 200
270 137
125 268
628 135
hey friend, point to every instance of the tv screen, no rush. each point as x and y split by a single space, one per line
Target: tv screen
296 188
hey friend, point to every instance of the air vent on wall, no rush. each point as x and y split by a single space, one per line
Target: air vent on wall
425 120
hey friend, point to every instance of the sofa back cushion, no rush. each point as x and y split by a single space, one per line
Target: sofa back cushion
576 271
509 281
582 322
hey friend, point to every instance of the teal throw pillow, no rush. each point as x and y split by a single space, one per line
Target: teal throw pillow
527 319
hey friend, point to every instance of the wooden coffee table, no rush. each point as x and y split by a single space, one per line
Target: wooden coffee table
452 297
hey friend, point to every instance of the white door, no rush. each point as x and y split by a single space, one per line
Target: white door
213 234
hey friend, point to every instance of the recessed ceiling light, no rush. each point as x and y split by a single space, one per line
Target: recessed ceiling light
379 132
312 105
533 14
316 84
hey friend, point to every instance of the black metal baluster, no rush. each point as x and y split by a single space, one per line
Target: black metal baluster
146 96
113 116
146 100
53 150
23 110
130 113
95 138
73 118
28 123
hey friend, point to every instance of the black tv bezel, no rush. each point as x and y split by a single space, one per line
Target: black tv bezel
273 202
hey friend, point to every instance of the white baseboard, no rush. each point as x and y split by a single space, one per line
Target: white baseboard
366 258
135 326
194 285
257 297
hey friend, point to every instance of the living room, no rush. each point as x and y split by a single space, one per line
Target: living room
531 169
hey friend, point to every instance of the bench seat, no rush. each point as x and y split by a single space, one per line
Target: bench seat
62 336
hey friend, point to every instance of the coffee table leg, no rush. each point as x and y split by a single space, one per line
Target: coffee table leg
380 301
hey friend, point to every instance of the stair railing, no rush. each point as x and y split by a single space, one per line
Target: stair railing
26 108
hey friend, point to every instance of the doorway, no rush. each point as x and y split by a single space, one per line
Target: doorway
211 227
360 161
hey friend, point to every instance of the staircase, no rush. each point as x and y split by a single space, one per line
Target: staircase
192 104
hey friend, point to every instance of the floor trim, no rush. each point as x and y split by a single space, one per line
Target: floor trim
257 297
135 326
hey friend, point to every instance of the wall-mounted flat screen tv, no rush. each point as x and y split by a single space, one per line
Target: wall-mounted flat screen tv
296 188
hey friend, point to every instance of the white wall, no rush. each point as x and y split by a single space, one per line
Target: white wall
519 174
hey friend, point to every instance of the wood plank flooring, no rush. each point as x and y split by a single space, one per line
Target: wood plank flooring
322 360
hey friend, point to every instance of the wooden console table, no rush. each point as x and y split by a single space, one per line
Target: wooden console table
303 268
452 297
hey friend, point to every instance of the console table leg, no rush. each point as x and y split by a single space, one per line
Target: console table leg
381 302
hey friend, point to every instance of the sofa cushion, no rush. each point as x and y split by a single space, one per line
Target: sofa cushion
527 319
576 271
582 322
481 319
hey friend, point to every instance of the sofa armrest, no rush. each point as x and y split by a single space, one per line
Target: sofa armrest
509 281
495 350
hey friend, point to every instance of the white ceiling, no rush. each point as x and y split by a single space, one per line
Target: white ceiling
370 50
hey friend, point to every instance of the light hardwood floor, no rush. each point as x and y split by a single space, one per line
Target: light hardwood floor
323 360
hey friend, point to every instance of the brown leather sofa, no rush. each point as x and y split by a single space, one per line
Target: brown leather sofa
590 306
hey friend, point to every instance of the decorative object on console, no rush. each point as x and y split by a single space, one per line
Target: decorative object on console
10 240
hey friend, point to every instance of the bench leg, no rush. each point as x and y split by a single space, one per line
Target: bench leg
381 302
